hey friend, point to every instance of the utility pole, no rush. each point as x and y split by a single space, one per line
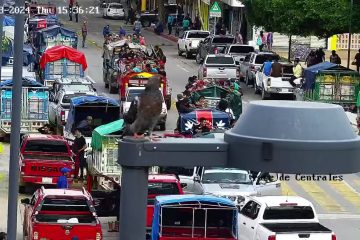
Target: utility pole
1 34
15 123
350 30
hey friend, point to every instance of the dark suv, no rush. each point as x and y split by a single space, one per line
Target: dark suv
212 45
149 17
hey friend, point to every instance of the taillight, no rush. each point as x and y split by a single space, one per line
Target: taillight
36 235
269 82
273 237
98 236
333 236
205 72
62 115
252 68
126 87
237 73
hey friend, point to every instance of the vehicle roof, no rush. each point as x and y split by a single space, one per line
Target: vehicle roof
275 201
77 92
171 199
191 31
37 136
162 177
74 80
223 36
64 192
226 170
240 45
220 55
265 53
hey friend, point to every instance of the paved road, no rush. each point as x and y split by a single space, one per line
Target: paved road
338 203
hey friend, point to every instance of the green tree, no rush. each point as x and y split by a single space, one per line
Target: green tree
322 18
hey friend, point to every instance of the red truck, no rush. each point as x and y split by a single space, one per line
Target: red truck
41 159
53 214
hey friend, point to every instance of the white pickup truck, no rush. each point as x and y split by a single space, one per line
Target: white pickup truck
280 218
219 66
268 86
188 43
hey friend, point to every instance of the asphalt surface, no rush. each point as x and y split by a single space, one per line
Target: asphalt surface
337 203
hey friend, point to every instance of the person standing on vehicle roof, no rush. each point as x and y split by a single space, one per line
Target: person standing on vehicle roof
148 68
62 182
78 148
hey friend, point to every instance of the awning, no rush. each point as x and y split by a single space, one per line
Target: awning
233 3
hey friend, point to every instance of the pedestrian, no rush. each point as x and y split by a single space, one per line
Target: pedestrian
357 61
185 24
334 57
197 23
45 130
218 27
270 40
122 32
261 41
297 70
170 22
76 11
238 37
320 55
276 69
130 16
70 11
84 32
62 182
311 59
137 27
78 148
106 31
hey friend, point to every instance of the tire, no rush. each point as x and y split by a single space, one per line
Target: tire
146 23
256 89
187 54
179 51
113 90
263 94
168 104
246 79
162 126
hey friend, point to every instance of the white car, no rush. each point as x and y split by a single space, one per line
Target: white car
132 93
236 184
114 10
188 43
269 86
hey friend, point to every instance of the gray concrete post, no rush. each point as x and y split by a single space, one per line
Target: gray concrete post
1 34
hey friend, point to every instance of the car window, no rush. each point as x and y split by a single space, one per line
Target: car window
198 34
132 94
116 6
226 177
241 49
161 188
226 40
178 171
46 146
67 97
220 60
246 210
261 58
288 69
77 87
289 212
65 204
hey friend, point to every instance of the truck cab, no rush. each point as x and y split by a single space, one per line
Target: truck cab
54 214
189 42
41 159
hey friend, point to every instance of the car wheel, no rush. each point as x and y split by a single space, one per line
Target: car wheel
162 126
179 51
263 94
146 23
113 90
187 54
247 79
256 88
168 104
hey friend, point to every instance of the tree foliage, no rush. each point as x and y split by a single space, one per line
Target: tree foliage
322 18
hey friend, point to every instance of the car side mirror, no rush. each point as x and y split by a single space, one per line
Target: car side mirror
25 201
183 185
196 179
237 62
94 89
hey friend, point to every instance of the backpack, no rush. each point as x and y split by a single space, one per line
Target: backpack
259 41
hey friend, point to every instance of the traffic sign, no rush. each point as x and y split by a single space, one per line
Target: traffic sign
215 10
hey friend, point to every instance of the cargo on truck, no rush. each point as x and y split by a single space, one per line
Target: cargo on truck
34 106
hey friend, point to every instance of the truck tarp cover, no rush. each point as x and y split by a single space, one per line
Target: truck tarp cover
59 52
53 31
182 199
311 72
101 132
8 21
26 82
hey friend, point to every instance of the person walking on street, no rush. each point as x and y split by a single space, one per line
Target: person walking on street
270 40
76 11
357 61
122 32
185 24
137 27
320 55
197 23
70 11
106 31
130 16
78 148
62 182
238 37
334 57
84 33
170 22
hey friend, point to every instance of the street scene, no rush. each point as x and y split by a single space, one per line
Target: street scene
96 72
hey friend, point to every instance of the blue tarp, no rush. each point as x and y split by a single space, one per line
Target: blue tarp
311 72
53 31
8 21
172 199
93 100
27 82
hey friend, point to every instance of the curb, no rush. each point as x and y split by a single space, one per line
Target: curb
168 37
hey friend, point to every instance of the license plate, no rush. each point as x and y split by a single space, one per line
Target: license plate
285 90
46 180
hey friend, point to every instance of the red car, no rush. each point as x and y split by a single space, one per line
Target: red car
54 214
41 159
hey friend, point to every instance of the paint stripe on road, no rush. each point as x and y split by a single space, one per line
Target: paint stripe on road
286 190
357 182
347 192
182 68
338 216
320 196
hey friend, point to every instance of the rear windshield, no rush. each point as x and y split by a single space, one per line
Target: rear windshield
260 59
198 35
116 6
178 171
46 146
291 212
288 69
226 40
163 188
134 93
241 49
68 97
220 60
65 204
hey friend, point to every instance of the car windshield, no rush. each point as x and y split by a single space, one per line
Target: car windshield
133 93
220 60
65 204
77 87
48 146
226 40
226 177
198 35
241 49
289 212
116 6
163 188
66 99
261 58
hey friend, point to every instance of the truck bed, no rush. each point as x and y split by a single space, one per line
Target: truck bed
296 227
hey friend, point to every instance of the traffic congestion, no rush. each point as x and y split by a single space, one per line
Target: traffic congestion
84 90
